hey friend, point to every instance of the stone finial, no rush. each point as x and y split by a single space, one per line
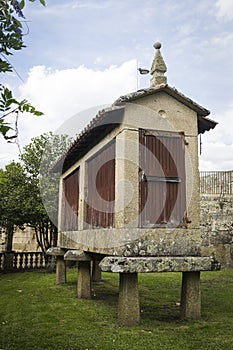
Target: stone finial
158 68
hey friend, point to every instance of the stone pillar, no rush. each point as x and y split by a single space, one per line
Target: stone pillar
128 305
60 270
96 271
84 280
8 261
126 180
191 296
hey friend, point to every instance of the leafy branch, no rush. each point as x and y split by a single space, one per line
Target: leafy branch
11 39
9 105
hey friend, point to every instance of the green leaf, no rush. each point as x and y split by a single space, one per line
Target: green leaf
43 2
4 129
10 137
5 66
17 22
38 114
22 4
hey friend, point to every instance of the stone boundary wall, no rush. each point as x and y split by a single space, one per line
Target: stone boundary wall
217 227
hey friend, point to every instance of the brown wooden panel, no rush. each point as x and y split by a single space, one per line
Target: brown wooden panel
162 179
101 188
70 202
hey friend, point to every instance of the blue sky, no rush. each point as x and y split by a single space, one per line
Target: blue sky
85 53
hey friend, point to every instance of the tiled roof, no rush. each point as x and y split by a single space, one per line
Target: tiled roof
103 123
107 119
170 91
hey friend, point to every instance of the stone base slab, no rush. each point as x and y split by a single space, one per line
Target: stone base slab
158 264
134 241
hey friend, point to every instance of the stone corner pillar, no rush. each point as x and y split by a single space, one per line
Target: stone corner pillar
191 296
128 304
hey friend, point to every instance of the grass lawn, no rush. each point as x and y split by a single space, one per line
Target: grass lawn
37 314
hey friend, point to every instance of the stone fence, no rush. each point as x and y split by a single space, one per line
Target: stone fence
21 261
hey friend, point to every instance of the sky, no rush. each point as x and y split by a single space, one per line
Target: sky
83 54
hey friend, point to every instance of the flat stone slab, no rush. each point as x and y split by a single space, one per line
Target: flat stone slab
76 255
55 251
158 264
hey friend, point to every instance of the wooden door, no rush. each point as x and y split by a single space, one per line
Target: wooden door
162 179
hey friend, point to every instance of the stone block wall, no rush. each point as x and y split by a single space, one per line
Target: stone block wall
23 240
217 227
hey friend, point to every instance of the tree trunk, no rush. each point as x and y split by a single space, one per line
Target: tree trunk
9 236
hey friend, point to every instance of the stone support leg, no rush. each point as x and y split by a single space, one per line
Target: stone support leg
60 270
128 307
96 271
84 280
191 296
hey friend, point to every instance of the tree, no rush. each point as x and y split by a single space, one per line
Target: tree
37 158
29 193
11 39
14 191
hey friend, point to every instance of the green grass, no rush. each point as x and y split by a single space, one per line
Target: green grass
37 314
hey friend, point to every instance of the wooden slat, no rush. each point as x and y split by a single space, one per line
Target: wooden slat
71 202
101 188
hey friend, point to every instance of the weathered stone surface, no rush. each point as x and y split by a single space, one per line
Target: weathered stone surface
56 251
160 264
60 270
191 296
217 227
128 303
135 241
76 255
96 271
84 280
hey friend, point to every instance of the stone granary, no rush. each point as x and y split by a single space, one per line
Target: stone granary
129 194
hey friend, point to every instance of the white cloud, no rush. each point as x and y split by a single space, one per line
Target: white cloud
216 156
224 40
60 94
223 132
217 150
225 9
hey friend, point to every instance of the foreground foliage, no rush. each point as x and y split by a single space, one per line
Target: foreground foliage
37 314
12 25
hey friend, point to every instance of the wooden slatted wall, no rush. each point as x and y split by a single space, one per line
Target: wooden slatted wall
70 202
101 188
